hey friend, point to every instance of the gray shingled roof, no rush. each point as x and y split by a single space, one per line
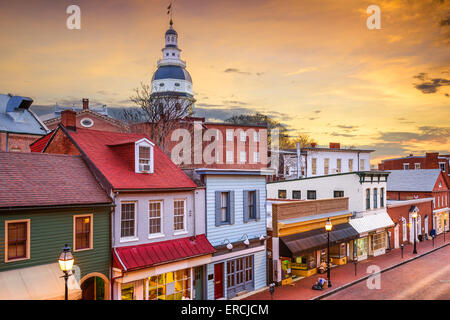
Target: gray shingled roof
412 180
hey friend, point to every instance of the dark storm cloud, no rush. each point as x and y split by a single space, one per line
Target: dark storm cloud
430 85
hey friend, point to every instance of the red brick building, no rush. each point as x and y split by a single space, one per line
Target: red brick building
89 119
431 160
214 145
401 213
421 184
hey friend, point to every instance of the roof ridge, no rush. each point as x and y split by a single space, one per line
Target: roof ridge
38 154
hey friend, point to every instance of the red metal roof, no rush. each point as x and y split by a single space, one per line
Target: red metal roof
39 179
146 255
39 144
115 165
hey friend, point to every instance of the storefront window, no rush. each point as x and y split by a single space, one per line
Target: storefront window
362 247
305 262
379 241
170 286
128 291
338 251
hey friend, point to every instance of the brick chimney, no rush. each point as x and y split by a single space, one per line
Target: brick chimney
85 104
69 119
335 145
431 160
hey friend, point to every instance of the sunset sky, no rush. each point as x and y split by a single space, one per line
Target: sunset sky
312 64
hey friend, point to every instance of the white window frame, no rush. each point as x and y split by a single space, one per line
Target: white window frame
135 236
417 166
406 166
256 158
230 156
161 216
256 136
362 165
242 136
230 134
442 163
91 233
27 257
143 143
184 230
350 167
242 156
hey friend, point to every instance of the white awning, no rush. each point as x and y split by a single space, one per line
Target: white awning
42 282
372 222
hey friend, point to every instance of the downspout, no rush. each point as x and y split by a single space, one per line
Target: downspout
358 161
195 210
7 142
112 245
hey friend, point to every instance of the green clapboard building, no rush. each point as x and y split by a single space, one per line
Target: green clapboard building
47 201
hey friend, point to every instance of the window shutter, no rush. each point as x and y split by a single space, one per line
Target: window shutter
245 205
218 208
231 207
257 205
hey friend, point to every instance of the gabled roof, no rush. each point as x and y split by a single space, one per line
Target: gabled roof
152 254
37 179
115 167
412 180
41 143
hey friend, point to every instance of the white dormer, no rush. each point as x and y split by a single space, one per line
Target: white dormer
143 154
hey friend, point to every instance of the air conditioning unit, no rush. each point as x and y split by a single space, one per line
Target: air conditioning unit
144 167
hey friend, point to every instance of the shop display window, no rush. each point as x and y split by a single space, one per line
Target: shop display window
338 251
379 241
170 286
128 291
305 262
362 246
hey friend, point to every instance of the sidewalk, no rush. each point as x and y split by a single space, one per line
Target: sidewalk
344 275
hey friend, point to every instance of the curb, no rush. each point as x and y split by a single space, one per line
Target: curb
384 270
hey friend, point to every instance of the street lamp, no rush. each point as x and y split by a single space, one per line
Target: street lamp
65 263
328 227
414 215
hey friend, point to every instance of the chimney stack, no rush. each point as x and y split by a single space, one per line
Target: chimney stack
431 160
335 145
85 104
69 119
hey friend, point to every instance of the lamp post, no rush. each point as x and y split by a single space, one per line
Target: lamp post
65 263
328 227
414 215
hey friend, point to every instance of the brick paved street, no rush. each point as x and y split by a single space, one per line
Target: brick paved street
427 278
342 275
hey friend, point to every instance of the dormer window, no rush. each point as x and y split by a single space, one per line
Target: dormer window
144 156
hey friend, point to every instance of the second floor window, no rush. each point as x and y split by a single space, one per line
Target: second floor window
382 198
362 165
282 194
406 166
225 207
83 229
128 220
154 216
296 194
314 165
338 194
367 199
326 165
252 205
179 215
350 165
338 165
17 245
311 195
442 166
375 198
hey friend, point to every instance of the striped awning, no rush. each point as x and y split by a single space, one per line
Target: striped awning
372 222
299 243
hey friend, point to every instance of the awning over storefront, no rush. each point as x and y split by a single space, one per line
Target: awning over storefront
372 222
296 244
42 282
152 254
